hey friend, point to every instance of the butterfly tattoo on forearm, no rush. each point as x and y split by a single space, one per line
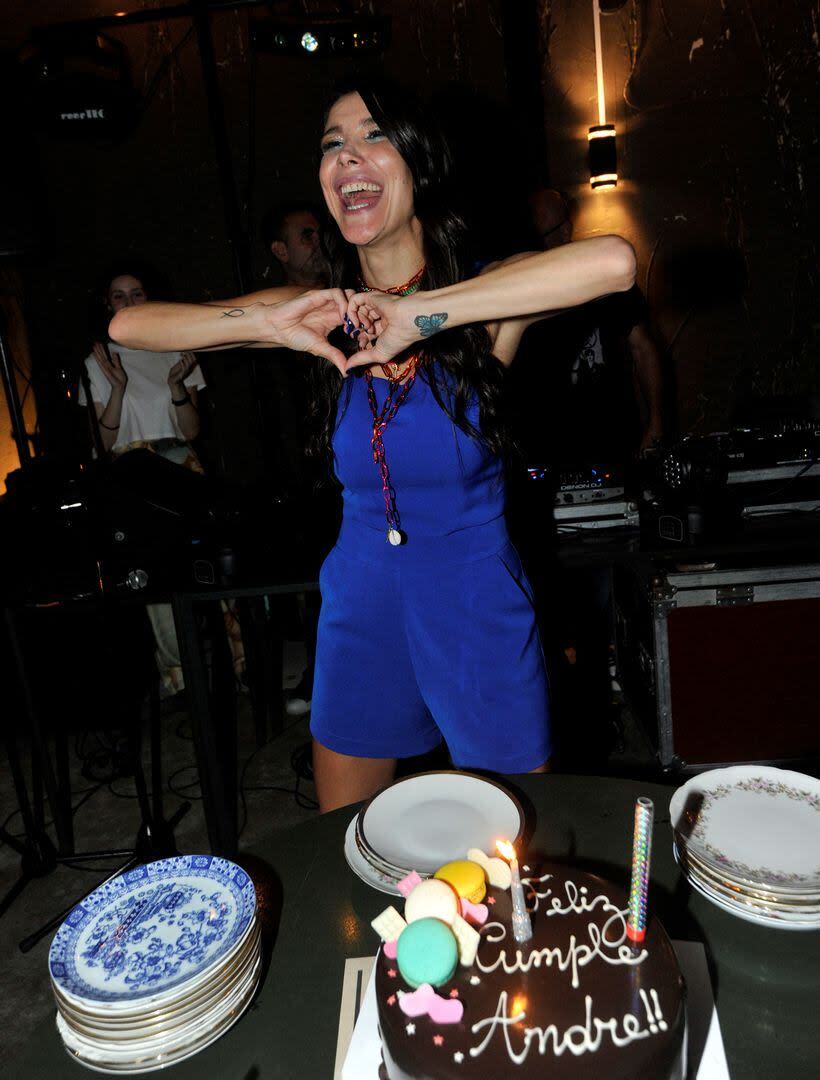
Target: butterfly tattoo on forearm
430 324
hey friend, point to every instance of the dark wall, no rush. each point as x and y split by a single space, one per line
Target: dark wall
156 192
712 105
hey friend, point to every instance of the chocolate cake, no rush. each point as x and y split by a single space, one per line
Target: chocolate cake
577 1000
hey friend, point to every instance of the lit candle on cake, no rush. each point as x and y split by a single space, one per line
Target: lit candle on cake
521 924
641 852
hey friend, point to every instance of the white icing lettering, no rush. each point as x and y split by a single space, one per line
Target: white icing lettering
577 902
584 1038
658 1013
653 1027
603 944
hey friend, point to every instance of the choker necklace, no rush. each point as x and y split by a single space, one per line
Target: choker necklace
410 286
392 404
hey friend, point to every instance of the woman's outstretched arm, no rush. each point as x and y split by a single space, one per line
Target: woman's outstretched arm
537 284
286 317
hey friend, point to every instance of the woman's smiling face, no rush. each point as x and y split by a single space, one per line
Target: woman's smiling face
125 291
366 183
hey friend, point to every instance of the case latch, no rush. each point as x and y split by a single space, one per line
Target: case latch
734 595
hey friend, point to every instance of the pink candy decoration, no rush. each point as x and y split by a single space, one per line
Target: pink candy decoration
474 913
407 884
426 1000
389 949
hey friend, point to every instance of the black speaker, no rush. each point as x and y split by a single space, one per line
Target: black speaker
78 85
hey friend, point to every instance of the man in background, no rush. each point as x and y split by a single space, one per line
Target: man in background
587 384
291 232
585 389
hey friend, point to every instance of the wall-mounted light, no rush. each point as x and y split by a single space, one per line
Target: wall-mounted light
603 158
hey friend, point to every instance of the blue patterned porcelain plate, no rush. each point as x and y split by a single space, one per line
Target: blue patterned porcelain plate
152 929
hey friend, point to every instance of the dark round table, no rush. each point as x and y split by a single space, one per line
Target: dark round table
317 914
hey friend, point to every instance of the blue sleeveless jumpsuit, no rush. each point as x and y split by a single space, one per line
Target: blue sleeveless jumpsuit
435 638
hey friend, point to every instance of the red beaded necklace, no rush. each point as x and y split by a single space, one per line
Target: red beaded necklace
392 404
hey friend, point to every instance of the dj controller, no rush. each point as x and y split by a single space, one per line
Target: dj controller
696 488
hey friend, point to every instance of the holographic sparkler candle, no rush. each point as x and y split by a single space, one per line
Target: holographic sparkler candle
641 853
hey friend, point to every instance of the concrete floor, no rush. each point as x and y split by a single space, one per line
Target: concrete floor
109 819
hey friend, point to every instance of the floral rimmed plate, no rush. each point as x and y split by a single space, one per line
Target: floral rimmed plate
741 910
757 824
796 901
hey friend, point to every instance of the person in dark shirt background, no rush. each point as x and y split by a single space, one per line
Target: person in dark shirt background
586 385
292 232
585 389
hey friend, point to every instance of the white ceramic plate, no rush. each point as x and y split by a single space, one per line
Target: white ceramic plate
166 1042
362 869
158 1058
165 1022
742 912
806 903
759 824
724 893
126 1053
424 821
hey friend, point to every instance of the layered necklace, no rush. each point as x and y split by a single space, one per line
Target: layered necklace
397 391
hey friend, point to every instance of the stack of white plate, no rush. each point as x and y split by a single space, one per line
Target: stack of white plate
421 822
156 964
748 839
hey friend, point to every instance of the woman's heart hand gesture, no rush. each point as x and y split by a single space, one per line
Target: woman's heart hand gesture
303 324
388 325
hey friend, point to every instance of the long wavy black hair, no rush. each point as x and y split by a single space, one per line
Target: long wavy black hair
470 372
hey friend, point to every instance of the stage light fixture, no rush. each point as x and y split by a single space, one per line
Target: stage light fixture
337 37
603 156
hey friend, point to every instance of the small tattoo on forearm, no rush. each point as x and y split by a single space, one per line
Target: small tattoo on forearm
233 313
430 324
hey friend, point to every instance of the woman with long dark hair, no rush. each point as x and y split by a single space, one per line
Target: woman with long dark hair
427 628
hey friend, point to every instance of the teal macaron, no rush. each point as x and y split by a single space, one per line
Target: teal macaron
427 952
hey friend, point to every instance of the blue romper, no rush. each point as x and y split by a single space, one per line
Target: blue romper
435 638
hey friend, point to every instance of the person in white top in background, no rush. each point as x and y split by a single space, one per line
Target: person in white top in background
148 400
142 397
